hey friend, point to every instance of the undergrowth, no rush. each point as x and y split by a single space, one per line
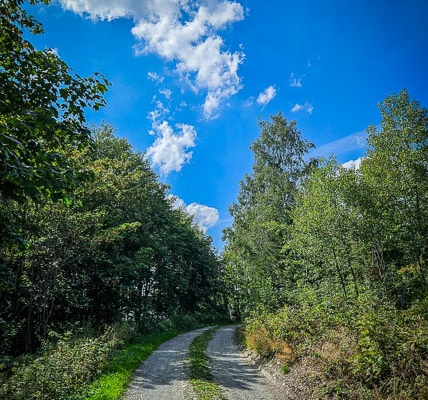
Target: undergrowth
120 370
83 366
362 350
63 366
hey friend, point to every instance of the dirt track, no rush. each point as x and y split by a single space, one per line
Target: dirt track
163 376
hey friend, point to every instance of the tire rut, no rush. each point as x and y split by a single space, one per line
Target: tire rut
235 374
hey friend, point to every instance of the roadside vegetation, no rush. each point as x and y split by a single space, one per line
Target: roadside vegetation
86 366
119 371
327 265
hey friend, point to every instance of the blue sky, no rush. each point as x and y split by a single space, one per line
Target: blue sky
191 78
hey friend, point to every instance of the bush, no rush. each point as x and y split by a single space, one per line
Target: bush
364 349
63 367
392 352
294 327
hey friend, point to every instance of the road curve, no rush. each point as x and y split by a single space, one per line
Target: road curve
239 379
164 374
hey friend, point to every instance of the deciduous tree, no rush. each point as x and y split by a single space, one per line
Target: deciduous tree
262 213
42 105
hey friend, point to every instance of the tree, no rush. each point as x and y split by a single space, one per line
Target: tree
42 129
368 228
326 232
395 173
118 251
262 213
42 106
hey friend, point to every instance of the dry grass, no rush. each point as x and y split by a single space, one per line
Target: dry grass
267 345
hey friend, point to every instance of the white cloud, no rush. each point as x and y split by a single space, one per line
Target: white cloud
154 76
157 115
170 152
182 31
167 93
353 164
303 107
204 217
177 202
266 96
295 82
249 102
342 147
100 9
296 107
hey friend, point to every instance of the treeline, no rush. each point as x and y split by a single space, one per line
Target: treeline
116 251
89 236
321 256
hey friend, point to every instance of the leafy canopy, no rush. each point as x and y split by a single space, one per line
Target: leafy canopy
42 104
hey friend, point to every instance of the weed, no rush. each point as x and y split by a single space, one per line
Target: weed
285 369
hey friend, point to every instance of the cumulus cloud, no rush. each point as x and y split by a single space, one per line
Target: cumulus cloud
184 32
266 96
303 107
170 151
204 217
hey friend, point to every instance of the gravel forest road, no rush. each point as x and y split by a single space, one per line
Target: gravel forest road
163 376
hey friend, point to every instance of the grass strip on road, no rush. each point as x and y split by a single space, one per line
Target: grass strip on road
201 378
121 368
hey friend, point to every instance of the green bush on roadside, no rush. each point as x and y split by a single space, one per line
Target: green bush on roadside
365 349
120 369
63 366
81 366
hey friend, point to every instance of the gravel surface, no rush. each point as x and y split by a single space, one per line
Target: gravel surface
164 374
236 374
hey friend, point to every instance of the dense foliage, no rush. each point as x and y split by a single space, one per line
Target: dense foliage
118 252
347 254
262 217
42 104
88 235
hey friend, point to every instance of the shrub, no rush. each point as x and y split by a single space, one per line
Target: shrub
364 349
63 367
289 331
392 352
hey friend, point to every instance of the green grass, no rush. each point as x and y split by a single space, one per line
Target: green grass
120 370
201 378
